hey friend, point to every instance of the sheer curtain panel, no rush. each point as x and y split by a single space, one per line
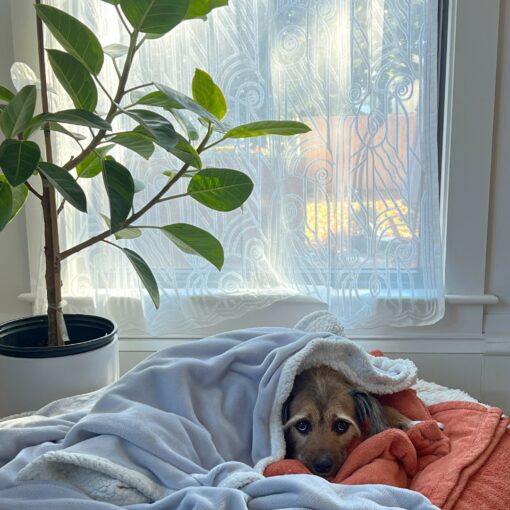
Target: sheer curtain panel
347 214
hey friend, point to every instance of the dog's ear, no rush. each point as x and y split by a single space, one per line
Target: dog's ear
289 447
369 413
286 409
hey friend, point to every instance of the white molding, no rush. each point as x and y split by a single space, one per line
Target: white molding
465 299
454 299
498 346
489 346
496 323
469 106
463 319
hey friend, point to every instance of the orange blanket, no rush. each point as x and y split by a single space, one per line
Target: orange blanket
455 468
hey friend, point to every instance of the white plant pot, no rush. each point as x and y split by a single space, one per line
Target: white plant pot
28 382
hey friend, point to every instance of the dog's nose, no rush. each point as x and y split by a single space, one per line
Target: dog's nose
322 465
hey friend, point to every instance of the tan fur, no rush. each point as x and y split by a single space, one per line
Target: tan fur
322 398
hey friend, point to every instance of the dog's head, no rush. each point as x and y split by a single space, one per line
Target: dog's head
323 415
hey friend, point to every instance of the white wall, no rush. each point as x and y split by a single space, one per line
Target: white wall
497 318
460 364
14 277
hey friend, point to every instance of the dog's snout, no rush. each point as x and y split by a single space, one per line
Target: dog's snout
323 465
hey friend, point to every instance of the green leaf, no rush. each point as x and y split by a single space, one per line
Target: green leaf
221 189
200 8
92 165
139 185
158 126
136 142
18 160
76 38
18 113
188 104
154 16
120 189
64 183
186 152
5 204
157 98
145 274
38 122
23 75
11 199
75 79
113 2
78 117
58 128
125 233
19 197
35 123
207 94
154 36
186 125
128 233
194 240
182 149
116 50
268 127
142 130
189 174
5 94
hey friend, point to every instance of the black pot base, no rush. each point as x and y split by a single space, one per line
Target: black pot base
27 337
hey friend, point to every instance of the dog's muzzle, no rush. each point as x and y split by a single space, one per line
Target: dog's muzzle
322 465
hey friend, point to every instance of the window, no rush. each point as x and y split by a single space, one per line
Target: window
258 157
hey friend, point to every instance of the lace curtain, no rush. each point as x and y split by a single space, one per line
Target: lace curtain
347 214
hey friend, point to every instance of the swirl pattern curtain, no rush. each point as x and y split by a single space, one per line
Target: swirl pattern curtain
347 214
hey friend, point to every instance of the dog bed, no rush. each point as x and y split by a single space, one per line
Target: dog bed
195 426
444 465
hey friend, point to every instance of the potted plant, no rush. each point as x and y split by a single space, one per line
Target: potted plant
56 350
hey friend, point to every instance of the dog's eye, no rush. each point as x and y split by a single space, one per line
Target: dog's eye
303 426
341 426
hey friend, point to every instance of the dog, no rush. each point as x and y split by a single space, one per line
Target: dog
324 414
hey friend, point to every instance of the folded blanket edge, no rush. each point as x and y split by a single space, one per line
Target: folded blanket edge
134 483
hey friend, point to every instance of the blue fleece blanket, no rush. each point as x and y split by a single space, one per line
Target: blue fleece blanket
192 427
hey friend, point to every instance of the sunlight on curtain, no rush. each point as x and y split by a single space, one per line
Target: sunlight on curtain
347 214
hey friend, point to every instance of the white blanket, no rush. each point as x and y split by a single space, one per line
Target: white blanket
193 426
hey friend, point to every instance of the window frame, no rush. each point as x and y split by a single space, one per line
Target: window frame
470 86
472 52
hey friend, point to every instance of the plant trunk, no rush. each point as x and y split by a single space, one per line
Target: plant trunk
56 325
52 261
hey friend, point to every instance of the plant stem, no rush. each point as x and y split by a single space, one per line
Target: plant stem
113 107
119 13
139 87
173 197
155 200
141 41
214 143
101 237
116 67
33 191
104 89
49 206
